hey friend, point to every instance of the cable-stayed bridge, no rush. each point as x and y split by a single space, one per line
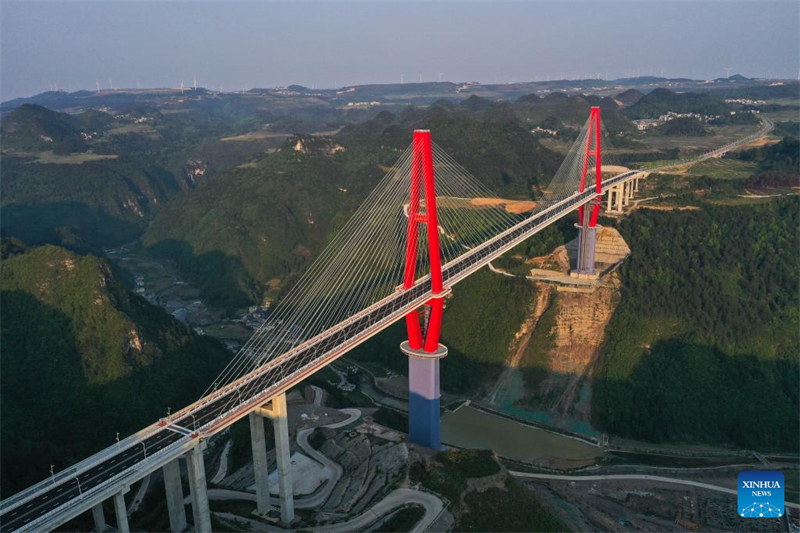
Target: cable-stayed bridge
426 226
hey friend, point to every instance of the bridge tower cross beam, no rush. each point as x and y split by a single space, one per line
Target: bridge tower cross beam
587 222
423 348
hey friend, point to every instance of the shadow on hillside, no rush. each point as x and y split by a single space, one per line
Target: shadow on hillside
223 279
53 414
459 372
684 391
41 368
68 224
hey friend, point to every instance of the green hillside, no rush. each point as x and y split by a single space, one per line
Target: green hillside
706 332
33 127
660 101
68 180
259 223
83 359
97 203
249 231
778 164
478 327
681 127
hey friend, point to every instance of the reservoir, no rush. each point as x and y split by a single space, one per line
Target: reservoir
468 427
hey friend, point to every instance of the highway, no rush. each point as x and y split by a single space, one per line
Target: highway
637 477
35 508
224 407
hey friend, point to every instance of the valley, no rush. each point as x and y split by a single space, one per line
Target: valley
204 209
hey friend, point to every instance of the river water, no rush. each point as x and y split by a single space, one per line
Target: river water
468 427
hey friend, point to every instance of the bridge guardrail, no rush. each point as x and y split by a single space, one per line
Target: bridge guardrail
113 479
478 258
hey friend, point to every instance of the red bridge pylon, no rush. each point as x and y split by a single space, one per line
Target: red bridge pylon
587 223
422 347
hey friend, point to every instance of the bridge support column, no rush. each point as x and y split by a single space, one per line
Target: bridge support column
122 512
424 396
278 412
630 191
635 184
174 490
587 242
620 193
423 347
260 466
280 423
197 484
610 195
99 518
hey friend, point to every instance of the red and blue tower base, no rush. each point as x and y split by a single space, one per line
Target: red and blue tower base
422 347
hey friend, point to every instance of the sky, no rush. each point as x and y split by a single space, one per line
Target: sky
232 45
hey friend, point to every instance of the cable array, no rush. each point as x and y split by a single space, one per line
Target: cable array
365 261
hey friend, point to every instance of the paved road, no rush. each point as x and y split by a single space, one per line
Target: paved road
213 413
318 393
222 471
638 477
397 498
313 501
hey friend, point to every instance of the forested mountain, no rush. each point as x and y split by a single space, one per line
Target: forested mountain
681 127
97 203
248 231
243 190
71 180
82 359
631 96
33 127
661 101
705 335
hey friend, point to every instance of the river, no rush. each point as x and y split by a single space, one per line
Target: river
468 427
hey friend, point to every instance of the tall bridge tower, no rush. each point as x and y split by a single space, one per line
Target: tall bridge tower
422 347
587 222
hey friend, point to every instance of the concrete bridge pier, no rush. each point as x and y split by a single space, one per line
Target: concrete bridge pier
424 395
174 490
258 443
615 199
121 510
99 518
587 242
612 199
197 485
278 413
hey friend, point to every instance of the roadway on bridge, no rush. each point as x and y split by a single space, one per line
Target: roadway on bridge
219 410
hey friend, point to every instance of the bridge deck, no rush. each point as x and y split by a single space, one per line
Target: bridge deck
51 503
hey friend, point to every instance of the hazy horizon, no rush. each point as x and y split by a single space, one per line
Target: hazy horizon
76 45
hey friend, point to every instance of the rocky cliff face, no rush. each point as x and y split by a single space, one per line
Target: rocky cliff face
577 334
558 344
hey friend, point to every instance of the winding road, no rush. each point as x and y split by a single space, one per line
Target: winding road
397 498
333 468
